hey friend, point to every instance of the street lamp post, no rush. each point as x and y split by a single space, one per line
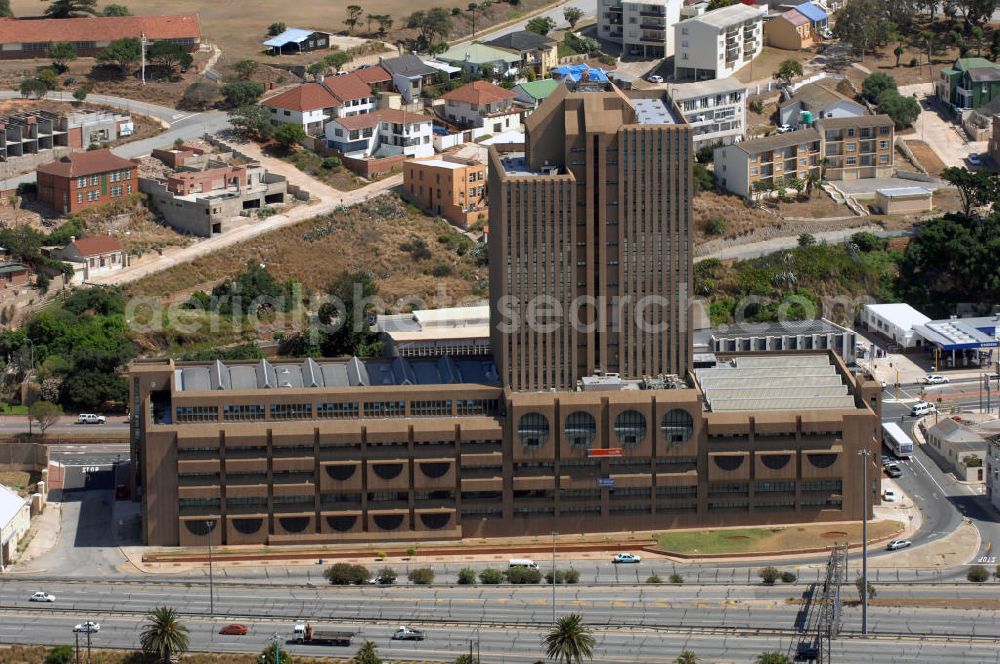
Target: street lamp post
211 586
554 533
864 544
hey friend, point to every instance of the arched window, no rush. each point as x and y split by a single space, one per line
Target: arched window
728 462
677 426
822 460
630 427
581 429
533 429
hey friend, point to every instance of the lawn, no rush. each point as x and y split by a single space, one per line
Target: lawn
765 540
13 409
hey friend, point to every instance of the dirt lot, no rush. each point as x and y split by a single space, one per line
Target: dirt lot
926 156
791 538
367 237
742 219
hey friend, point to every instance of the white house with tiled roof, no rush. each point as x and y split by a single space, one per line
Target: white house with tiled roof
89 256
312 104
384 133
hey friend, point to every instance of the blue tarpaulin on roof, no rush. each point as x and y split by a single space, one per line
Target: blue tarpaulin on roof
576 72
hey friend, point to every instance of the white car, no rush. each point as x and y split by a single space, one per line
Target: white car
936 379
406 634
655 78
826 34
889 496
895 545
785 128
42 597
90 418
626 558
89 627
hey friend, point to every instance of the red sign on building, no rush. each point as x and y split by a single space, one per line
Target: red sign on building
605 452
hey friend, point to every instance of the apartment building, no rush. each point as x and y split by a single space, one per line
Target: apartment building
715 110
644 29
452 187
85 179
836 148
718 43
538 52
482 104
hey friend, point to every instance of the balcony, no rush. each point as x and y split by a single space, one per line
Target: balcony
658 13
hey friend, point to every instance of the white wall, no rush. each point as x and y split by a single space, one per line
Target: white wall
731 170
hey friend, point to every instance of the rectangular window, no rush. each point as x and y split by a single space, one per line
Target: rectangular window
428 408
81 183
251 412
338 410
384 408
291 411
476 406
197 414
95 179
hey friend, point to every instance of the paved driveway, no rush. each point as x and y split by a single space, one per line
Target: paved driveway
943 136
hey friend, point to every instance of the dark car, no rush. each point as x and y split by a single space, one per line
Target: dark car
235 629
806 652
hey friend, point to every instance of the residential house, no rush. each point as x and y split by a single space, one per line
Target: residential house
969 83
383 133
855 148
202 202
90 256
22 38
297 40
532 93
85 179
771 160
376 76
816 101
538 52
819 18
409 75
791 31
717 43
957 450
15 519
482 104
716 109
311 105
449 186
643 28
476 58
14 275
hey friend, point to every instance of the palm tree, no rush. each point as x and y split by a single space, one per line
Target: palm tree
687 657
164 636
772 658
367 654
570 640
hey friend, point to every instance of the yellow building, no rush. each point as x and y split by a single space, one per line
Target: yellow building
451 187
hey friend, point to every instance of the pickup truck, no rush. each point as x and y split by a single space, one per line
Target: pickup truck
90 418
322 635
406 634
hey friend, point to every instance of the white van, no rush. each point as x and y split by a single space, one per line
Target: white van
922 408
522 562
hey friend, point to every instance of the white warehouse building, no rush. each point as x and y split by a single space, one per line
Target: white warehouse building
895 322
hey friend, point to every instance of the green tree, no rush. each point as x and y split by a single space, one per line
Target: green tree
71 8
241 93
976 11
275 29
541 24
859 583
384 24
352 297
570 641
289 136
975 188
251 122
805 240
864 24
49 77
245 69
267 656
33 88
61 53
703 179
367 654
978 34
353 16
386 576
875 84
163 636
771 657
788 70
771 574
169 57
121 52
5 10
898 52
927 36
798 185
432 24
978 574
719 4
337 59
115 10
44 414
572 16
903 109
687 657
81 92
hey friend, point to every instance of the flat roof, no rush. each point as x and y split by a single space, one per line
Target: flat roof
954 334
515 165
702 88
437 324
895 192
899 314
727 16
804 381
653 111
777 329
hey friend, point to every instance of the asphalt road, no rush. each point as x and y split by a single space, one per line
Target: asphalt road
589 8
89 454
115 426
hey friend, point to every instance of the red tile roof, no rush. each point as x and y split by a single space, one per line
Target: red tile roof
98 28
348 86
305 97
795 17
478 93
97 244
376 74
79 164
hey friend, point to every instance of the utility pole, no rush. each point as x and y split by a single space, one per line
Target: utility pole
76 635
277 659
142 45
89 661
864 546
554 533
211 587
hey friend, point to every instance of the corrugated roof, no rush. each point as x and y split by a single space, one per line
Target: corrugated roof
812 12
817 96
98 28
783 328
523 40
292 36
408 65
10 504
881 120
540 89
748 383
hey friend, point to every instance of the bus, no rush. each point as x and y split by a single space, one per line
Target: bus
896 440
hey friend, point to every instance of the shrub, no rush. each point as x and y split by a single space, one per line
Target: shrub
652 578
572 576
676 578
417 248
422 576
381 554
346 574
859 584
59 655
198 96
467 576
275 29
866 242
386 576
523 575
875 84
411 551
716 226
978 574
807 240
441 270
757 105
788 577
491 576
331 162
768 575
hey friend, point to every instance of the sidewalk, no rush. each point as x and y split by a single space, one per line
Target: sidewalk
45 529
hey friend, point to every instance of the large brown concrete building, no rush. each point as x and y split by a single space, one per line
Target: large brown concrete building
600 427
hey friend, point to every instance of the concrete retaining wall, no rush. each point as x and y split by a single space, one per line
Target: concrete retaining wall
23 456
